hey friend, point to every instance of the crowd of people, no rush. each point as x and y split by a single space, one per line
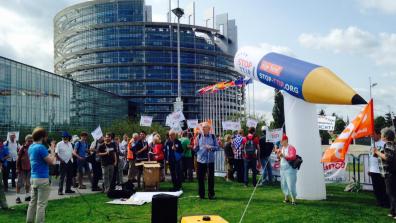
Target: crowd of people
110 158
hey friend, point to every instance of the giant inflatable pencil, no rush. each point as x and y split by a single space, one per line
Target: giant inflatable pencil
310 82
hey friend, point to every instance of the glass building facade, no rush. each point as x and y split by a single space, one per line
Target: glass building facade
113 45
31 97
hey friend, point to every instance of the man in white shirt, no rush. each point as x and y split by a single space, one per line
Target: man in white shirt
375 167
123 150
64 153
13 148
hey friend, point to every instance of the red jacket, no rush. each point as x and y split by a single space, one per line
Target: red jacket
158 152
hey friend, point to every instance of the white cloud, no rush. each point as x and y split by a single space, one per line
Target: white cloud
381 47
266 47
387 6
22 41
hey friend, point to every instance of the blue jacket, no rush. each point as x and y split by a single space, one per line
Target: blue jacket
173 155
3 153
204 155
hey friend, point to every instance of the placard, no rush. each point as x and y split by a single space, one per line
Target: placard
251 123
146 121
274 135
326 122
192 123
13 132
97 133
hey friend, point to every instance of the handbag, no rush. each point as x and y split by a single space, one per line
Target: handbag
296 163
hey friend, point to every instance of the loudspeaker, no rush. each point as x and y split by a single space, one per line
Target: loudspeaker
164 208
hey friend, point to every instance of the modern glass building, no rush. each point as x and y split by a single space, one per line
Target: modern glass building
31 97
114 45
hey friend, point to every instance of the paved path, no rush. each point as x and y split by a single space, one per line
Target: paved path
11 194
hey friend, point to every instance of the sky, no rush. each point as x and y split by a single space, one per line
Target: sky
354 38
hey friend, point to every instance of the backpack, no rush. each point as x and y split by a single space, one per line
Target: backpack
250 149
391 163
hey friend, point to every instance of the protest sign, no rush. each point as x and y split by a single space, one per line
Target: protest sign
192 123
146 121
97 133
274 135
326 122
251 123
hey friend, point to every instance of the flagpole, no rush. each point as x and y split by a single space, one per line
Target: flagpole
254 107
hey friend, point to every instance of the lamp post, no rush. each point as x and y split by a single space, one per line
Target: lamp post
179 12
371 86
371 97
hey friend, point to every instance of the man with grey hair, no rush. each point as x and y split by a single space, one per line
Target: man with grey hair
23 169
205 146
13 148
388 158
173 154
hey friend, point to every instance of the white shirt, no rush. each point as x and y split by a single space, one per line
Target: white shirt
13 150
373 161
64 151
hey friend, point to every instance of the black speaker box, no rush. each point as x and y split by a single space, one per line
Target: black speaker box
164 208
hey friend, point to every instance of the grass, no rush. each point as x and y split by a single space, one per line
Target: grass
266 206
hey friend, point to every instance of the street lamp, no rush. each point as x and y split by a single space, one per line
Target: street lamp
179 12
371 86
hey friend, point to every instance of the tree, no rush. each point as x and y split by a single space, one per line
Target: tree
322 112
379 123
339 125
278 113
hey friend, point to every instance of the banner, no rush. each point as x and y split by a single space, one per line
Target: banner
192 123
97 133
146 121
361 126
16 133
326 123
251 123
274 135
335 171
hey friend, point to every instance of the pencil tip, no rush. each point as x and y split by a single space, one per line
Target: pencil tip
358 100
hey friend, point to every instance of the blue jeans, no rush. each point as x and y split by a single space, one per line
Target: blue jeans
250 164
267 169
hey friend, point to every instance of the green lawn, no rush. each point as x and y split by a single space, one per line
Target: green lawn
266 206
